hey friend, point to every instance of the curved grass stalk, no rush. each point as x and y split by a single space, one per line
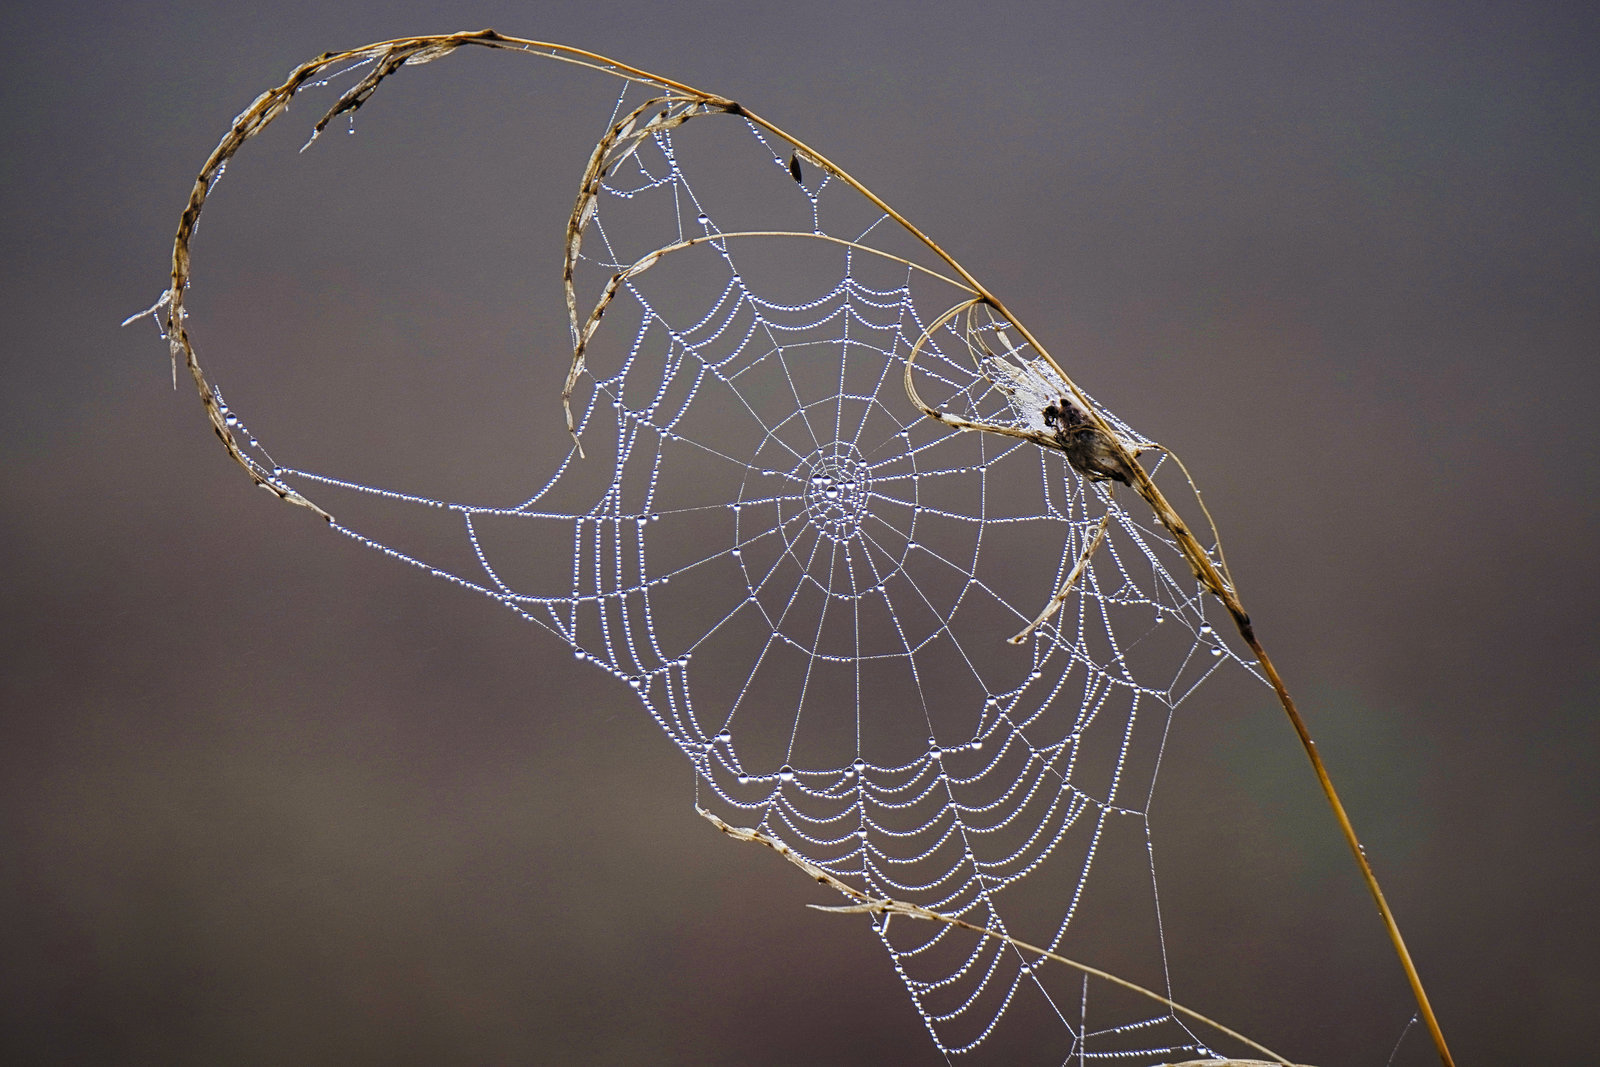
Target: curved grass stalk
681 103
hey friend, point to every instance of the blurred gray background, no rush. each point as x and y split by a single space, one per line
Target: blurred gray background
266 797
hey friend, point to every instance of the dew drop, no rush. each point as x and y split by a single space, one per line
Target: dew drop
786 773
724 737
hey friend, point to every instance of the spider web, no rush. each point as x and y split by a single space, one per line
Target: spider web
811 587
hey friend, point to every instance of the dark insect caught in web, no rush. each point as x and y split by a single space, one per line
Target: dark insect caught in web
1086 446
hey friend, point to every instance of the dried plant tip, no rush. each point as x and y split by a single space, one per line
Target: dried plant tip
152 310
1067 586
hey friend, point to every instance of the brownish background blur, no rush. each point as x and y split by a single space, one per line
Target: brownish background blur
268 798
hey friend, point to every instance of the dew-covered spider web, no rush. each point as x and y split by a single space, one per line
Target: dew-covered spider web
813 589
